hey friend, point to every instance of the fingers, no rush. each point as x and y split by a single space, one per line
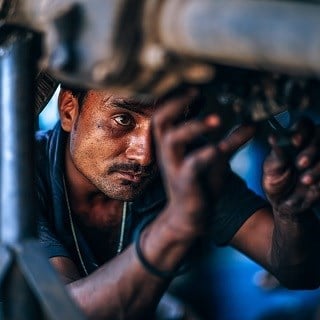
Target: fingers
311 175
171 131
176 140
275 167
201 159
304 197
308 159
309 154
277 178
300 148
278 173
281 149
237 138
171 112
293 167
302 132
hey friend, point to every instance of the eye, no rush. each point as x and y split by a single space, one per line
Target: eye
123 119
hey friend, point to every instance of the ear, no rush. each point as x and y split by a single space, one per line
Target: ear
68 109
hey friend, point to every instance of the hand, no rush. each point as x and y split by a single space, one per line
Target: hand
193 178
292 184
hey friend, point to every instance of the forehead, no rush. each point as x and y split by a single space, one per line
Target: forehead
106 99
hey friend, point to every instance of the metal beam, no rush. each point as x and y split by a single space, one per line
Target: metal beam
270 35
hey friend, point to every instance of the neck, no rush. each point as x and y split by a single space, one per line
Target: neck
89 205
110 236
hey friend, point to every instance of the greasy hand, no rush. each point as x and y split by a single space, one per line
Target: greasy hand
292 182
193 177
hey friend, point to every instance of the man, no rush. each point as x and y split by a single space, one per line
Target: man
99 187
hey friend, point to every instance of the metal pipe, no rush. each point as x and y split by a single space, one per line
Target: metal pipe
271 35
17 67
17 215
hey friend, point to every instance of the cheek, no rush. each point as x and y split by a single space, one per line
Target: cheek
96 150
107 130
96 144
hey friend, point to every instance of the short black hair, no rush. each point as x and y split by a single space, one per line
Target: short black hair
80 94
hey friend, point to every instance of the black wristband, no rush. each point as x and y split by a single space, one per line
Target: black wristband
149 267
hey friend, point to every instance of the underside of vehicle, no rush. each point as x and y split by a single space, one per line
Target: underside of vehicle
253 60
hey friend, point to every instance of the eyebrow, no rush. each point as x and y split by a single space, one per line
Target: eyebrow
137 105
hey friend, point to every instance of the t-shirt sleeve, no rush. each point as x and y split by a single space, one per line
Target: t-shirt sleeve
236 204
47 236
48 241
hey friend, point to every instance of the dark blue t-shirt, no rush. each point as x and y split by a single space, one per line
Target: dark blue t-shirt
235 206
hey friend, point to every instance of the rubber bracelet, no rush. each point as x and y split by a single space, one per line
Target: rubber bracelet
149 267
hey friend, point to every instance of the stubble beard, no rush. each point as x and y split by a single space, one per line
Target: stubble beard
124 190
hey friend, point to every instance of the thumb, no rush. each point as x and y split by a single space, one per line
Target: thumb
277 178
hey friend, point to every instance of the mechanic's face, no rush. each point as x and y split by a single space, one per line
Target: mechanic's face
111 143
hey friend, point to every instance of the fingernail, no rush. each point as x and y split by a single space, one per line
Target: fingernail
306 179
212 120
303 162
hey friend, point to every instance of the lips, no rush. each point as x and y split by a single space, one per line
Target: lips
131 176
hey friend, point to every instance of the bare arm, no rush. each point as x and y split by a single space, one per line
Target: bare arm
122 288
287 249
286 238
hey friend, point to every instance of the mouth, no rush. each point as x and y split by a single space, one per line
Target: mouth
131 176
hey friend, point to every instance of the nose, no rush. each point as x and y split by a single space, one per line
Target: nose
140 147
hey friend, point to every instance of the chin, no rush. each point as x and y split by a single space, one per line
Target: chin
125 196
126 192
122 189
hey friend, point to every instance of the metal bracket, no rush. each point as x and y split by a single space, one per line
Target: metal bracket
44 283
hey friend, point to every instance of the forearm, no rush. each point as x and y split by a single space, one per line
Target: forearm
295 250
122 288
